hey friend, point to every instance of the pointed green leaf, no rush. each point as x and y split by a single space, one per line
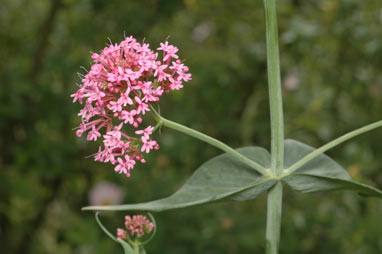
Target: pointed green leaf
314 183
320 174
218 178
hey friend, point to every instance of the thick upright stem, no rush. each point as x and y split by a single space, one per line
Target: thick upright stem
274 210
274 201
274 82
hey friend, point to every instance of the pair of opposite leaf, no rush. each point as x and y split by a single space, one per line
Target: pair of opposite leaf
225 177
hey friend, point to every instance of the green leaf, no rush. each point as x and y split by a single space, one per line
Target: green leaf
218 178
126 247
320 174
142 250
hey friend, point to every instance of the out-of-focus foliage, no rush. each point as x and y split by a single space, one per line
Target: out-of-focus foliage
331 53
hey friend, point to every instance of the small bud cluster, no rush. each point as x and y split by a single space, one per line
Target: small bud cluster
123 81
138 226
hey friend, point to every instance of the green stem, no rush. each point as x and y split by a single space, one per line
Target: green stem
330 145
136 247
274 198
127 249
103 227
275 93
209 140
152 234
274 210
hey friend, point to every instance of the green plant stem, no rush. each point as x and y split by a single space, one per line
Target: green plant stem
136 247
152 234
274 83
330 145
214 142
126 248
103 227
274 210
274 198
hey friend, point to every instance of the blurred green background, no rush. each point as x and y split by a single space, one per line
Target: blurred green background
331 56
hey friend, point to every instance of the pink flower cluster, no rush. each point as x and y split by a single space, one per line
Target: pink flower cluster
138 226
123 81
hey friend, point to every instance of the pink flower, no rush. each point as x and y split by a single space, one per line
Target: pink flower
79 95
138 225
115 106
121 234
184 76
124 166
93 134
142 107
160 72
158 91
178 66
168 50
123 81
175 84
128 117
146 132
148 145
171 50
125 100
163 46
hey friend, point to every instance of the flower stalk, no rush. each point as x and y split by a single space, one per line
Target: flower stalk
214 142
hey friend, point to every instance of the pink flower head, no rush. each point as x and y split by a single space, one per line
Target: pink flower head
123 81
138 225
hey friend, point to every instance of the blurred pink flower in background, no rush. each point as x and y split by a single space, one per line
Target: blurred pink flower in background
106 193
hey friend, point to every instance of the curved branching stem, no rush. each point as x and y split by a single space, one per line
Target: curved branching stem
103 228
214 142
330 145
127 249
154 230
